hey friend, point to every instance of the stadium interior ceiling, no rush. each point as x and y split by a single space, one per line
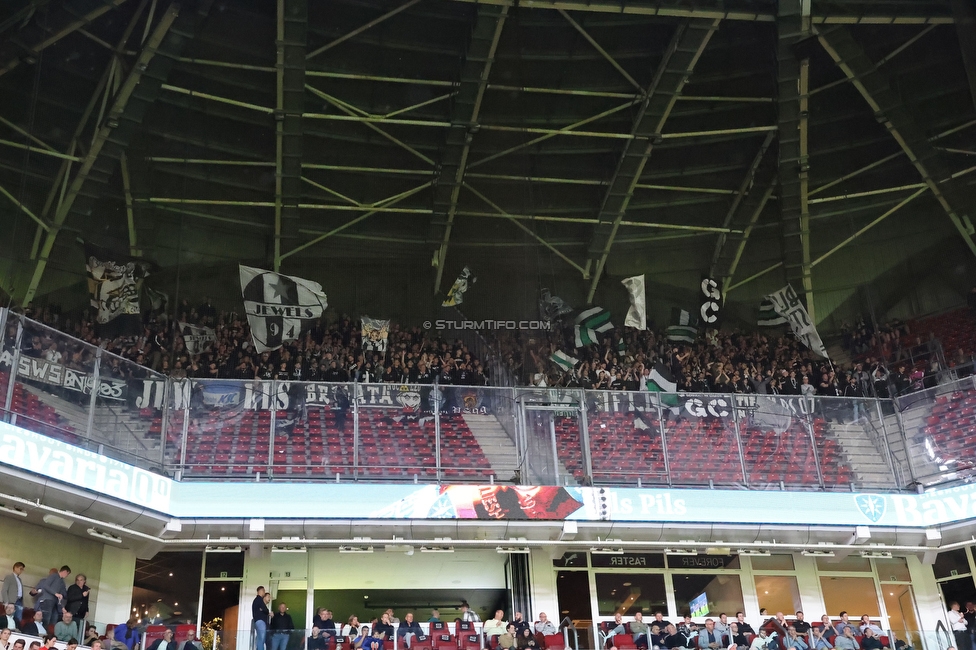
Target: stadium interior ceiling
546 144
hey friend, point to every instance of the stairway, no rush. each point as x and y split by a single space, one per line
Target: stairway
864 456
498 448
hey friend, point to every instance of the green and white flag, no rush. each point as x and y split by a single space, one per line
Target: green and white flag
591 322
563 360
661 381
768 316
621 347
683 326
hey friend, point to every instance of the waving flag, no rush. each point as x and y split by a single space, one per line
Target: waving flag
278 306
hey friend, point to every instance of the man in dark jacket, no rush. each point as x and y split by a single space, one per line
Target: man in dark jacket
260 616
166 643
281 628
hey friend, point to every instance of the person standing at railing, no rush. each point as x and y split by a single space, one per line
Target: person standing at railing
468 614
281 628
260 617
12 591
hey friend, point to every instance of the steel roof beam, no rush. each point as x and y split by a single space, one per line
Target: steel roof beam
874 87
792 78
81 14
292 37
711 11
965 15
687 45
486 32
126 112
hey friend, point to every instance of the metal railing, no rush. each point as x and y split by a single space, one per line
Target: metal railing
193 428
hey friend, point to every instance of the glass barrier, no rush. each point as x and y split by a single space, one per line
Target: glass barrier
67 389
625 438
700 439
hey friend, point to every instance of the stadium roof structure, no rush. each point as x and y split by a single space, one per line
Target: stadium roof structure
757 141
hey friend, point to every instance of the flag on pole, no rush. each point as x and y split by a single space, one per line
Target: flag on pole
591 322
637 314
768 316
456 295
683 326
788 305
115 285
278 306
563 360
661 381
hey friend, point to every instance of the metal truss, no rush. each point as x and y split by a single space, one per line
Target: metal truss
873 86
486 32
672 74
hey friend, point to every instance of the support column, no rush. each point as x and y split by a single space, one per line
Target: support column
113 595
292 39
792 76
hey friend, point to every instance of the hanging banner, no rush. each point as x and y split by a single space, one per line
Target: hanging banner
54 374
787 304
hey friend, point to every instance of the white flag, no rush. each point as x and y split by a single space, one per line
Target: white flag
637 314
787 304
196 338
278 306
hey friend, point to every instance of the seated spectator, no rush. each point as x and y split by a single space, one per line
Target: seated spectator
323 621
165 643
673 639
869 641
639 629
384 626
520 623
507 639
351 628
802 627
737 638
409 629
846 641
819 640
722 625
740 621
36 626
761 641
373 642
842 624
9 619
91 635
527 640
866 624
656 637
709 638
794 641
19 644
316 641
659 620
189 641
544 625
495 626
4 639
68 628
616 627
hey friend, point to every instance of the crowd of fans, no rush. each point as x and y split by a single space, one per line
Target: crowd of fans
329 350
720 361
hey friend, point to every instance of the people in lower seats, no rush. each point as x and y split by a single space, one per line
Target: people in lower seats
866 624
36 626
527 640
617 627
760 641
9 619
520 623
495 626
351 628
385 625
544 625
507 640
409 629
740 621
639 629
794 641
846 641
165 643
67 628
316 641
709 638
740 640
4 639
802 627
870 642
722 625
673 639
819 640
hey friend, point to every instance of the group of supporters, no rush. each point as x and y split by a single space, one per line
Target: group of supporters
776 633
274 631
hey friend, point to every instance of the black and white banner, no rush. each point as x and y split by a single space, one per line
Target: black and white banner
787 304
114 282
375 334
54 374
196 338
711 303
278 306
